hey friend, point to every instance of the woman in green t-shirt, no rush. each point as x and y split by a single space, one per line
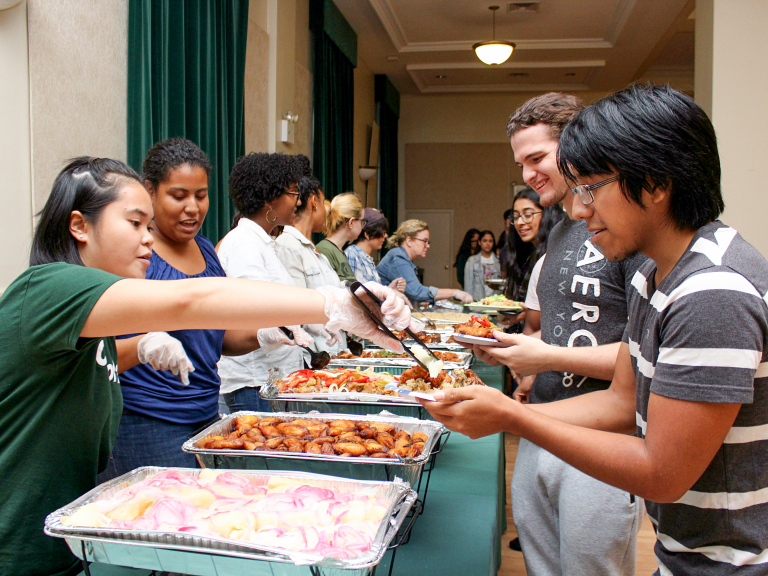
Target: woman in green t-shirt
343 223
60 399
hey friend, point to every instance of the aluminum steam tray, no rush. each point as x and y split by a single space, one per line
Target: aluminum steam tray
395 366
359 468
207 556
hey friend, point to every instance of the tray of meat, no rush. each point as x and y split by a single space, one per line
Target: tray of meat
351 391
220 522
373 447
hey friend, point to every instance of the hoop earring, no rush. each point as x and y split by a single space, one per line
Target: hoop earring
267 216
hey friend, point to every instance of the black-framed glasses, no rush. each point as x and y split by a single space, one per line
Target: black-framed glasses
584 191
426 242
293 191
526 216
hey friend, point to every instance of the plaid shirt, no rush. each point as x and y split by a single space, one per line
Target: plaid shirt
362 264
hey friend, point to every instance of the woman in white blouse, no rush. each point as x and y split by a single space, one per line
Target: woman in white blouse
264 189
308 267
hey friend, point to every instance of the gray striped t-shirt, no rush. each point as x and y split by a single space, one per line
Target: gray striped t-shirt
702 336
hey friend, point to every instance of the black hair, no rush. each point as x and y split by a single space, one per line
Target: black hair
522 256
652 137
306 166
373 230
259 177
308 186
466 245
87 185
483 233
166 155
507 214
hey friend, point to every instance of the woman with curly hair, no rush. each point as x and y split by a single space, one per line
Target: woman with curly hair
265 190
409 242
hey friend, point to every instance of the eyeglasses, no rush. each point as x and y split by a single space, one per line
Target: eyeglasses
526 216
426 242
293 191
584 191
363 221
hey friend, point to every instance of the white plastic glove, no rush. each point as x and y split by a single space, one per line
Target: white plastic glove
270 339
300 335
164 352
344 313
463 297
319 330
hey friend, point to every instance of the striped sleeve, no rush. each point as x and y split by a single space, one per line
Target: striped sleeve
711 340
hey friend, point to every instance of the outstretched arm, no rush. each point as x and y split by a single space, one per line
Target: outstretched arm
682 437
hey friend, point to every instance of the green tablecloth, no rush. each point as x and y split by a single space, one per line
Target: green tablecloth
459 532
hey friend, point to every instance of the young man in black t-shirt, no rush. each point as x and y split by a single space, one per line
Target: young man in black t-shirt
685 421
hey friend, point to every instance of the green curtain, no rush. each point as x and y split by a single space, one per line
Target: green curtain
186 64
387 115
334 116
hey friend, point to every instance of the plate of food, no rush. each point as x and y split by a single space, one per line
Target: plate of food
478 331
495 303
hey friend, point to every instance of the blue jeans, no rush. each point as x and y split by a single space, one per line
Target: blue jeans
246 399
145 441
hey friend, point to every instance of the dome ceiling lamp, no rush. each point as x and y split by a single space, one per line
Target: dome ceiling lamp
494 51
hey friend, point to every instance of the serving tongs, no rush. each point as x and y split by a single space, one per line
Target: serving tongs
353 289
317 360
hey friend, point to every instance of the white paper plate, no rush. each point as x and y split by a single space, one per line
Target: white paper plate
490 342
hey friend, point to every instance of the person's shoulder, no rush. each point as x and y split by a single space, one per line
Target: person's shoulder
288 241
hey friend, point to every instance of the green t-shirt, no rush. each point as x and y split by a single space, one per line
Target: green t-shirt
337 259
60 406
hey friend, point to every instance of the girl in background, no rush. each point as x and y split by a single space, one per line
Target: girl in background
481 267
469 247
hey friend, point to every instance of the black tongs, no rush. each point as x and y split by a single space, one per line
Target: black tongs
317 360
353 289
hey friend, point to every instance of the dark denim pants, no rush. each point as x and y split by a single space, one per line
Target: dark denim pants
145 441
246 399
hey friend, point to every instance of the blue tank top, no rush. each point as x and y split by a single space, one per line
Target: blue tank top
160 394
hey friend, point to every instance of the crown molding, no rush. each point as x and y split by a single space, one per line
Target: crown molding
394 29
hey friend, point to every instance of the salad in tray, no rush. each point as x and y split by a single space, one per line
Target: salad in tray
495 302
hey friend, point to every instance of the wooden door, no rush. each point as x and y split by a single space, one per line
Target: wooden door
438 265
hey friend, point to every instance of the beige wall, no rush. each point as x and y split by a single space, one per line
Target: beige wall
256 81
365 116
78 84
468 161
734 55
15 169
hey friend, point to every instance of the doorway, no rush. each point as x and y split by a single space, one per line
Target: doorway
438 265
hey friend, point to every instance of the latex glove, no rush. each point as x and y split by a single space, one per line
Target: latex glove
300 335
320 331
345 314
463 297
164 352
270 339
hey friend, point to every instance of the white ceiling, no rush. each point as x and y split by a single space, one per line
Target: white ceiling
425 46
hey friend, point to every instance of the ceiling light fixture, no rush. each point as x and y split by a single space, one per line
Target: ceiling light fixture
493 51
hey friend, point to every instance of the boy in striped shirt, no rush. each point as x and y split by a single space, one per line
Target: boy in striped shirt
691 380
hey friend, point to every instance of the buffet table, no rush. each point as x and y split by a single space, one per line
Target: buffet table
460 530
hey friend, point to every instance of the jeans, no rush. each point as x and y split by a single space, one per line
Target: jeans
246 399
145 441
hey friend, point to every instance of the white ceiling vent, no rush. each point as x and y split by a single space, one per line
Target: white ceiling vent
522 7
